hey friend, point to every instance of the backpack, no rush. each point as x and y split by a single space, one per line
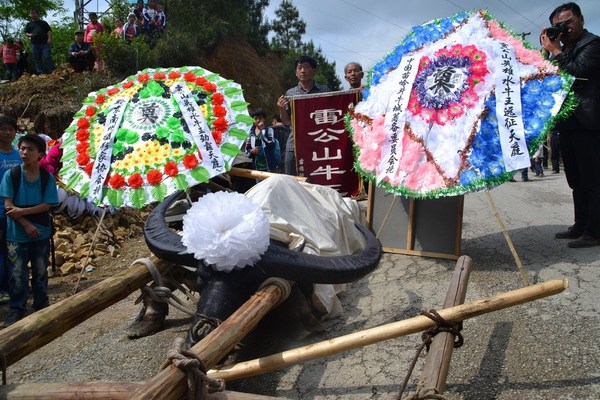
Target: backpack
272 153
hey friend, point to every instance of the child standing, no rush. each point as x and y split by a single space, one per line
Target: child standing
9 57
28 227
9 157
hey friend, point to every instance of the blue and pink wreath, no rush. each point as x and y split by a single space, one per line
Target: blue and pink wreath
446 141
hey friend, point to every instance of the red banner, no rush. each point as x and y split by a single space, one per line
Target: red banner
322 145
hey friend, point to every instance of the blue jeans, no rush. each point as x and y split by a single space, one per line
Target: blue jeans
42 58
19 255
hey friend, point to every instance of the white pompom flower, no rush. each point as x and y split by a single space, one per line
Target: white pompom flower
226 230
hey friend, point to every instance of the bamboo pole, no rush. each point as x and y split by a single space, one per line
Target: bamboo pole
97 391
41 327
388 331
253 174
171 382
437 362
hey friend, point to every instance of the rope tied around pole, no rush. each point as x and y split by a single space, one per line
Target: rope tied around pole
198 382
441 325
160 292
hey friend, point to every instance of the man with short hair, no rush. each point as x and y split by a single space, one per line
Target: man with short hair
353 73
40 34
80 55
579 137
306 68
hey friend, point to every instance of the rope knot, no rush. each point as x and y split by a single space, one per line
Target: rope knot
441 325
198 381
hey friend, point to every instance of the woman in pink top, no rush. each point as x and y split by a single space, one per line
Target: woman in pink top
9 58
93 27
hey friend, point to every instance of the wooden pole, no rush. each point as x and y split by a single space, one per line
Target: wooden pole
41 327
97 391
388 331
253 174
437 362
171 383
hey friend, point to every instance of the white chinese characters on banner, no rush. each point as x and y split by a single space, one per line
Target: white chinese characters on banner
326 119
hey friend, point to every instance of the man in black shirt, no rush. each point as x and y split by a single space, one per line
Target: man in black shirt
41 41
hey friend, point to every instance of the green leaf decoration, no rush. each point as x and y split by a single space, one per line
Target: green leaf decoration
145 93
173 123
163 132
180 182
118 147
200 174
132 137
155 89
70 154
159 192
198 71
138 197
212 77
238 133
232 91
89 99
178 135
66 169
71 129
79 114
230 149
224 82
244 119
121 134
85 190
74 180
239 105
69 141
115 197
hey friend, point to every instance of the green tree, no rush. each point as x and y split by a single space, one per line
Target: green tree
288 28
258 29
326 70
14 13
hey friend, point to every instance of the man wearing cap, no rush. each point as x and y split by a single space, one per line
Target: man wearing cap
80 57
306 68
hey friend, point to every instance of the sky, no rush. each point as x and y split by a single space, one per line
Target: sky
366 31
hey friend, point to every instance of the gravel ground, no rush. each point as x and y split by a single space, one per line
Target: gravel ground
542 350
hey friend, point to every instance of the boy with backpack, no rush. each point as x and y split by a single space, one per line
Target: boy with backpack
28 191
262 147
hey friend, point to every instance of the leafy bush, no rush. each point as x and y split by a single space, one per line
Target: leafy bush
123 58
176 49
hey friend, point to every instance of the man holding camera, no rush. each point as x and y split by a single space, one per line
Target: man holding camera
579 55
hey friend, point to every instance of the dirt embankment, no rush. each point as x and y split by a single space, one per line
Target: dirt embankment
50 101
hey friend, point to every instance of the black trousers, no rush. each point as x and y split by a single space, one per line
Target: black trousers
555 150
580 150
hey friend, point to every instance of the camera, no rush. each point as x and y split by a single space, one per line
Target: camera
556 30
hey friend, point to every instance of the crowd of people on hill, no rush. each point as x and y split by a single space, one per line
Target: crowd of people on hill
146 19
